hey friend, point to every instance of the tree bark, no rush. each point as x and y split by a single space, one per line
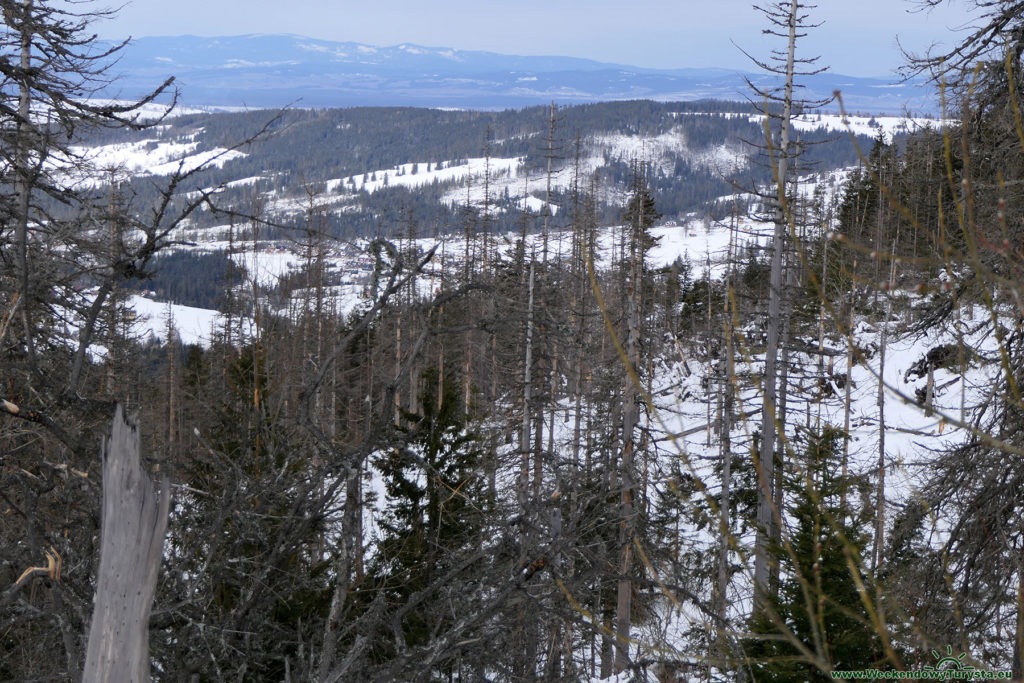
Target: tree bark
131 548
22 184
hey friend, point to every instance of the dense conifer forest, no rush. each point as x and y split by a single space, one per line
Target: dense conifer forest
537 448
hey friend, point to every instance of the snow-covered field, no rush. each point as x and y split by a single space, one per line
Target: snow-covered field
152 111
192 325
851 124
417 174
154 157
870 126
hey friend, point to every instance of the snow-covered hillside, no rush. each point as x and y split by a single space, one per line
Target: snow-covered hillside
153 157
837 379
690 156
682 418
697 242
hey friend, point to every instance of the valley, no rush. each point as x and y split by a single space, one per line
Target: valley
369 363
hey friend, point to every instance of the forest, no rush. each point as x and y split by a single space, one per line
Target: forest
333 154
532 451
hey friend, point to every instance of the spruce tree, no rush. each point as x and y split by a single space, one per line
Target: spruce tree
818 623
437 500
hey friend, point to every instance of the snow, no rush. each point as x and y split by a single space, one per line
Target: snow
864 125
854 124
337 52
267 265
376 503
154 157
870 126
698 241
533 204
242 63
193 325
403 175
152 111
718 159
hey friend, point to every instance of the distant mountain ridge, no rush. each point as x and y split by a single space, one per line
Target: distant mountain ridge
268 70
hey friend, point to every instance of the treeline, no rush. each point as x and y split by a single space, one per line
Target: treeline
193 279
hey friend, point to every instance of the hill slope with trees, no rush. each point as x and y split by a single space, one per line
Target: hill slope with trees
536 448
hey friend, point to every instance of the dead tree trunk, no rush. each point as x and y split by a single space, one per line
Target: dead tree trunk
630 420
131 547
769 417
22 184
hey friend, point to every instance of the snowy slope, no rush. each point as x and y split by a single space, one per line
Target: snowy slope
154 157
684 392
192 325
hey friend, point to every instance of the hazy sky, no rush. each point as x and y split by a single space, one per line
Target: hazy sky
858 37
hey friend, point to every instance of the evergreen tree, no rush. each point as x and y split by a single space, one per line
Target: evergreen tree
438 500
640 212
259 555
819 604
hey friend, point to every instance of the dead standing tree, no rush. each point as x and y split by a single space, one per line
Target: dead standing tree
60 265
131 548
786 20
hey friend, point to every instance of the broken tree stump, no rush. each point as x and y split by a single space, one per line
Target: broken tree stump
131 546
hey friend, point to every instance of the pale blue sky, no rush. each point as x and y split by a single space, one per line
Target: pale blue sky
858 37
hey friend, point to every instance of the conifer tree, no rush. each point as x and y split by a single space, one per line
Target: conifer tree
818 622
439 498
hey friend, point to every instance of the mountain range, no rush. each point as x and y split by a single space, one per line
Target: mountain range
262 70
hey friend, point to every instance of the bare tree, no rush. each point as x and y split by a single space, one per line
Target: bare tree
788 21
